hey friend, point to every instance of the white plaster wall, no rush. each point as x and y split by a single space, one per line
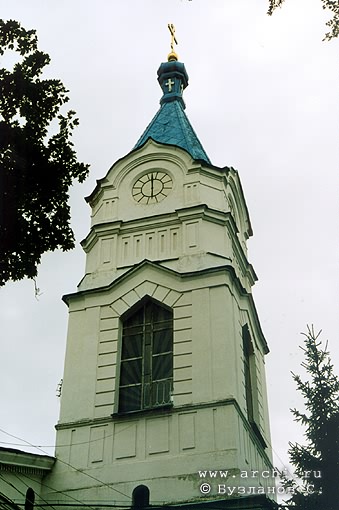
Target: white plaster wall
192 238
163 451
125 232
160 449
78 394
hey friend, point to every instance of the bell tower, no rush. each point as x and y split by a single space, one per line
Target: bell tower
164 379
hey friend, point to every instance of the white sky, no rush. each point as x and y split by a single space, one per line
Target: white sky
263 99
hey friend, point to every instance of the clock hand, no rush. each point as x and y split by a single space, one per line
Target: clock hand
151 185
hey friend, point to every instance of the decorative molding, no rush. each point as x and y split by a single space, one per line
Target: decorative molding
25 462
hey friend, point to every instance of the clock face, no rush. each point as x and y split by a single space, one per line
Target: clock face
152 187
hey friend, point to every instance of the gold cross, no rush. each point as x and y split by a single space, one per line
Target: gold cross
171 28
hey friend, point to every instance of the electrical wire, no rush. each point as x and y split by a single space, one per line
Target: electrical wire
11 485
54 504
70 444
103 484
6 503
107 505
28 486
91 441
51 505
39 447
99 439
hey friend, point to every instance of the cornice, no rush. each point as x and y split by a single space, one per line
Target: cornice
154 413
202 211
24 462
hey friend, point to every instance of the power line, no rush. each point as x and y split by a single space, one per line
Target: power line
52 505
86 505
103 484
87 474
11 485
39 495
70 444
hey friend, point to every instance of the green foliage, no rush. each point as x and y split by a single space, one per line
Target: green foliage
320 456
36 169
331 5
273 4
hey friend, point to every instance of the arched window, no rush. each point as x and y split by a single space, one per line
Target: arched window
251 387
248 372
146 369
30 497
140 497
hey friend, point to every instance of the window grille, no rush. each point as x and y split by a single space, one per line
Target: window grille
146 370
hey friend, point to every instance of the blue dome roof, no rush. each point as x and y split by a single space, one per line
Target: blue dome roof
170 125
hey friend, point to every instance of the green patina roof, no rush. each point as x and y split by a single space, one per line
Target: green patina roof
170 125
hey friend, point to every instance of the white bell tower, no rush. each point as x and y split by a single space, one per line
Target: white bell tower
164 372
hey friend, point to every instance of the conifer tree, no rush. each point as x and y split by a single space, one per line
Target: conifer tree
317 463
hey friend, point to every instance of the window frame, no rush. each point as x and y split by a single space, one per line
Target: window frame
248 353
250 384
147 358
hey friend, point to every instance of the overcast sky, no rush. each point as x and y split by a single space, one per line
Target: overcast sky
263 98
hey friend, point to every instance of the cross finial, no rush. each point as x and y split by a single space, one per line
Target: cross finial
172 55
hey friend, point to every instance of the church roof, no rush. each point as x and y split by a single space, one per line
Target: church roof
170 124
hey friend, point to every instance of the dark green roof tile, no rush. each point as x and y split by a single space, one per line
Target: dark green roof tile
170 125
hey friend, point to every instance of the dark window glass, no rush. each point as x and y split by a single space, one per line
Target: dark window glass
131 372
130 398
161 315
146 371
162 340
136 319
132 346
247 349
162 366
